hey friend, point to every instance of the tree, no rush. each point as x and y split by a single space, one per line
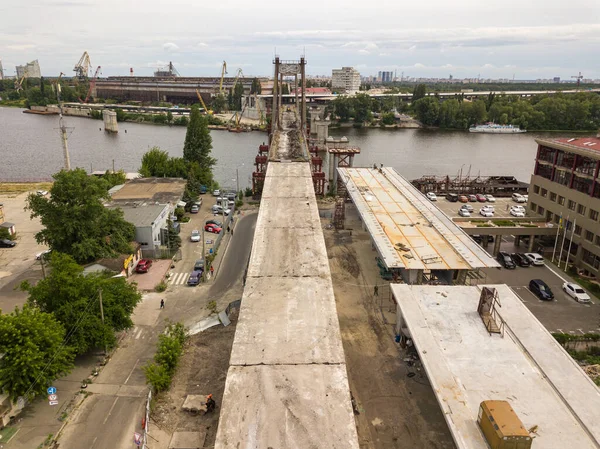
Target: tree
285 89
169 117
31 342
387 118
198 144
419 92
218 103
362 108
174 241
114 178
448 114
74 300
427 110
156 162
256 88
238 91
75 220
342 108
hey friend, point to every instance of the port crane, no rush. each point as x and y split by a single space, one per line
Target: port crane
223 73
82 68
578 78
92 85
206 110
19 82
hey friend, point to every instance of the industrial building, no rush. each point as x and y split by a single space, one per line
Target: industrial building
29 70
566 184
346 79
479 344
150 223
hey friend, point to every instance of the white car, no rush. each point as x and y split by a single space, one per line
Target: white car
486 212
516 212
42 192
464 212
521 208
535 258
431 196
488 208
576 292
490 199
216 192
467 207
195 237
38 256
518 198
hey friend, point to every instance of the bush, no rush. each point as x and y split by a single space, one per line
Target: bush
157 376
170 348
504 223
239 203
160 287
248 192
179 213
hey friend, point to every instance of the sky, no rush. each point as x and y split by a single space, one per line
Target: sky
524 39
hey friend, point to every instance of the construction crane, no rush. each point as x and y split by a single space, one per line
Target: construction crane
578 78
170 72
82 68
19 82
208 111
223 73
92 85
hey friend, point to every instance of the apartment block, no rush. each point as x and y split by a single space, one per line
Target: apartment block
29 70
566 184
346 79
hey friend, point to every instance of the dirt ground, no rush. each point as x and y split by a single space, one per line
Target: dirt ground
396 409
202 370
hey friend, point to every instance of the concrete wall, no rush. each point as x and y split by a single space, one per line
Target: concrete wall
78 112
110 121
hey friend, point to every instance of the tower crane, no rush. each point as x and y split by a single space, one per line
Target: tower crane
578 78
82 68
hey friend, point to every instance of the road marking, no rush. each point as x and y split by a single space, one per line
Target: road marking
560 331
179 278
583 333
139 333
555 273
93 442
131 372
110 411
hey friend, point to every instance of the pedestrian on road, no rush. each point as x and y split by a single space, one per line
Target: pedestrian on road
232 232
212 270
507 206
228 229
376 291
162 303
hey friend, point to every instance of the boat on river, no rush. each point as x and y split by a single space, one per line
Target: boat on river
492 128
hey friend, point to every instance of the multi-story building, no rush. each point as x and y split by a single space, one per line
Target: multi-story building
29 70
346 79
565 186
385 77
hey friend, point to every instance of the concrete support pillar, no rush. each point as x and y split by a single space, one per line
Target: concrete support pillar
274 112
110 121
303 105
296 89
485 242
331 165
517 240
497 243
530 246
280 93
335 172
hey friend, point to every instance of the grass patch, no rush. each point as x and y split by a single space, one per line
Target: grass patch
7 433
478 221
20 187
504 223
485 225
528 225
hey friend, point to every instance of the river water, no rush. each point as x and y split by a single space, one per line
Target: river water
30 149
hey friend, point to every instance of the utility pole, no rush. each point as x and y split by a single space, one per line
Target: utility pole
102 316
63 128
203 254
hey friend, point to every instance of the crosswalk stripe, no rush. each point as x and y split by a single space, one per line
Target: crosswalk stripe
179 278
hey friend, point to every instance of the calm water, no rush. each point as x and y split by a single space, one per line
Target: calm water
30 149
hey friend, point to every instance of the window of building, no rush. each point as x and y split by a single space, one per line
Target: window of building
591 259
583 185
562 177
565 159
533 207
544 193
577 230
596 192
547 154
545 171
553 196
536 189
571 205
549 216
593 214
585 165
581 209
589 236
541 210
561 200
556 218
568 225
598 240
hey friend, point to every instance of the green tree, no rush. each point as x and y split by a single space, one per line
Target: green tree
114 179
157 376
73 299
157 163
343 108
169 117
75 220
362 108
238 91
33 354
427 110
419 92
449 113
285 89
388 118
174 240
198 145
256 88
218 104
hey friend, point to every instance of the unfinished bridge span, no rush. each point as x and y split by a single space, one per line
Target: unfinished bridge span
287 385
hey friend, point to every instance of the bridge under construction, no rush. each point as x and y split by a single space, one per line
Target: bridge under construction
287 384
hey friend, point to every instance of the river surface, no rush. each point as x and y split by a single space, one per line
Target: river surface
30 149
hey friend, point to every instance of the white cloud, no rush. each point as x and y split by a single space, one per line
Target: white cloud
418 65
170 47
202 45
488 66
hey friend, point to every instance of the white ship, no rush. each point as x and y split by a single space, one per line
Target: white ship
492 128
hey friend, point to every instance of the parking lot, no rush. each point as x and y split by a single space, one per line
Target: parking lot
501 208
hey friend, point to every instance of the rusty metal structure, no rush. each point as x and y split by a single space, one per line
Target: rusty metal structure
284 69
258 176
500 186
316 168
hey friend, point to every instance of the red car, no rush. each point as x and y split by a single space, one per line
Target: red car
481 198
213 228
143 266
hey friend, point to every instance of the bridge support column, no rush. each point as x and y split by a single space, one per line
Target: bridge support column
530 246
303 106
517 240
497 243
274 111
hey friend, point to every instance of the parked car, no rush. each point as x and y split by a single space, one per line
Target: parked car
214 222
213 228
518 207
231 196
195 277
195 237
203 190
480 198
526 198
535 258
576 292
431 196
490 198
506 261
520 259
194 209
540 289
42 192
199 265
486 212
473 198
516 212
464 212
489 207
44 254
5 243
467 207
518 198
463 199
452 197
143 266
216 192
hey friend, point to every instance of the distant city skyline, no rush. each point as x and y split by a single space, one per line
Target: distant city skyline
530 40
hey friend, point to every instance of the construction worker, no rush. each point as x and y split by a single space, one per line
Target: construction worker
212 270
210 403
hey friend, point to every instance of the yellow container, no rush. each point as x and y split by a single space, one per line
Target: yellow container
502 427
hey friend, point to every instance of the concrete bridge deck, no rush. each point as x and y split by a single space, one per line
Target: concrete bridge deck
287 385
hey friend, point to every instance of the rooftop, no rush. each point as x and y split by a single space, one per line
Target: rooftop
408 230
141 216
526 367
155 190
582 145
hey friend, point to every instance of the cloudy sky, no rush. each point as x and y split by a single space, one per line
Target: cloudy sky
526 38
